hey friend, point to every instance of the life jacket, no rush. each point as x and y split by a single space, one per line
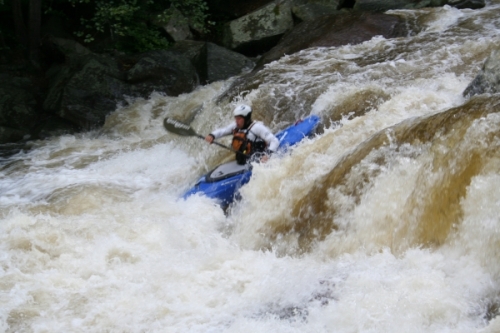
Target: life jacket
245 146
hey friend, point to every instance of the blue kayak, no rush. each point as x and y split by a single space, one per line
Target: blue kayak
223 182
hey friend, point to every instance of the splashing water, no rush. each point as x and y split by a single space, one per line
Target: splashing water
386 221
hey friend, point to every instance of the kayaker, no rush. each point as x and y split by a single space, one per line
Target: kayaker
250 138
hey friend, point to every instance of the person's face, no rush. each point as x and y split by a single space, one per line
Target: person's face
240 121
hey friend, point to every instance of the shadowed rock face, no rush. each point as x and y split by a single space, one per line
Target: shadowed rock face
163 71
335 30
18 102
213 62
488 79
223 63
86 88
81 87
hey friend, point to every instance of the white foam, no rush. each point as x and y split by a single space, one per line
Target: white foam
95 237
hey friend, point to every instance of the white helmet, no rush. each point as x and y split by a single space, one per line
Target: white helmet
242 110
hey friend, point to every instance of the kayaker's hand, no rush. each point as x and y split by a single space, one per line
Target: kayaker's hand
265 156
209 138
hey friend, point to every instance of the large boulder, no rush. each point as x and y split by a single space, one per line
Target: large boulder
259 30
335 30
21 114
74 59
488 78
196 52
87 86
223 64
91 92
213 62
163 71
84 87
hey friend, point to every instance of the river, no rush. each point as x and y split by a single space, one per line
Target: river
387 220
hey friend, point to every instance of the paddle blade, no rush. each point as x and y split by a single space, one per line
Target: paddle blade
178 128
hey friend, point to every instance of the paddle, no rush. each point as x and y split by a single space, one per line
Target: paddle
179 128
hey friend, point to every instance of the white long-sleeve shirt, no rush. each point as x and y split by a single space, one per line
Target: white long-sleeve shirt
258 130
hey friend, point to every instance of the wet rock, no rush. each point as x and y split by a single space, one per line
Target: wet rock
196 52
213 62
260 29
86 87
488 78
223 63
335 30
163 71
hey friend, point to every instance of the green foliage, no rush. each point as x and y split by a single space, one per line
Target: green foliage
195 11
135 25
142 38
119 20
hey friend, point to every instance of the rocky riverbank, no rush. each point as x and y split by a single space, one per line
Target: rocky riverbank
76 88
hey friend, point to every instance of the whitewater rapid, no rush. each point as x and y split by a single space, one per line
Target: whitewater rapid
387 220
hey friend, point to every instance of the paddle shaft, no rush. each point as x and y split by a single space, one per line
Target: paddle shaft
179 128
219 144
